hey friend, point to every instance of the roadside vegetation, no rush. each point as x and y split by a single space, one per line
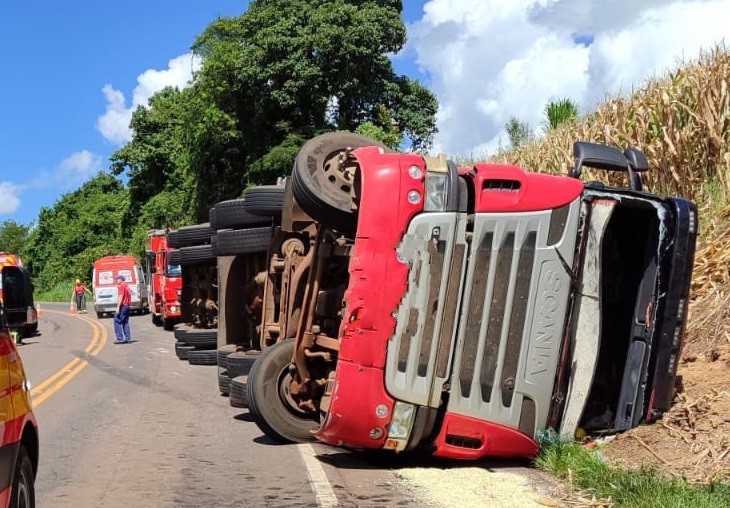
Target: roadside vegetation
271 78
597 483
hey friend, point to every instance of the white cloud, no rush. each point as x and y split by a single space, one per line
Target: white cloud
9 200
80 166
114 123
489 60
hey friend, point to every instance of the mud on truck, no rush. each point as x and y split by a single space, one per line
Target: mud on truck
410 304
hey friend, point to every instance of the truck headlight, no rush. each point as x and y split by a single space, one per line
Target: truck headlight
401 423
436 197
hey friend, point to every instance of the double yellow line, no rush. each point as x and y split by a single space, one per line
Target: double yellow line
57 381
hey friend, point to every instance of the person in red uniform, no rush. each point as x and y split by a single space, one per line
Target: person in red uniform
79 296
121 316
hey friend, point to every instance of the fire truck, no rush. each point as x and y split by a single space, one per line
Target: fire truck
418 305
165 280
19 457
20 309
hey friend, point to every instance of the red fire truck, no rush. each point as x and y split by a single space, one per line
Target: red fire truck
463 311
165 280
19 457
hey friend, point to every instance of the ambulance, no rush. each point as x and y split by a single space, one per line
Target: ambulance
106 269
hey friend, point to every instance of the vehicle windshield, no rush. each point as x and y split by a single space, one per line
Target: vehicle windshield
174 270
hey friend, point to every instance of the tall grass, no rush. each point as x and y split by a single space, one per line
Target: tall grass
61 292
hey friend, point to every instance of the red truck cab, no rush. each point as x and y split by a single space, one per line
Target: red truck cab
165 281
481 306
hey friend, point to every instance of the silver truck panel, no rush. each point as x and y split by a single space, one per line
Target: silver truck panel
512 316
419 355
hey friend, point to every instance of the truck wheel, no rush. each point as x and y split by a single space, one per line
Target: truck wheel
232 213
168 324
196 254
237 391
186 236
156 319
268 400
323 185
174 257
23 491
231 242
264 200
203 357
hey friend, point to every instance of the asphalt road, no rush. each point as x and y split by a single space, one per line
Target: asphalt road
133 426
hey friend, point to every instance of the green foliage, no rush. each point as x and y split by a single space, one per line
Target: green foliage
61 292
558 112
271 78
518 132
636 489
81 227
13 237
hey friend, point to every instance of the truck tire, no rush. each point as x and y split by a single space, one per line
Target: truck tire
237 391
224 382
202 339
168 324
320 188
233 214
182 349
223 353
231 242
240 362
266 397
196 254
22 492
174 257
190 235
264 200
203 357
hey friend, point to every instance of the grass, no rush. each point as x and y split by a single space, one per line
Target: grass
61 292
586 471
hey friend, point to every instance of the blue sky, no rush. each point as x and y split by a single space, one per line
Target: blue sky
74 70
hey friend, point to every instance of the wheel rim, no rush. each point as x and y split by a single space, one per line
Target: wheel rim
339 172
23 494
289 402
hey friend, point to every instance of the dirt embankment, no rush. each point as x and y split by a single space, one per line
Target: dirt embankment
692 440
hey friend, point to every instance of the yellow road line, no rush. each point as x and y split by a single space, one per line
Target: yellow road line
58 380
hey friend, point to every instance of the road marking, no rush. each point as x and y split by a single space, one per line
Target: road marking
317 478
58 380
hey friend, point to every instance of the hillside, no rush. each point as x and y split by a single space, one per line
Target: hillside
682 122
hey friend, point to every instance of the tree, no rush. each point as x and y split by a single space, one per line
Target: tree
558 112
518 132
289 69
81 227
13 237
272 78
156 159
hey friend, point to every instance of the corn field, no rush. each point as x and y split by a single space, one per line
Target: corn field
682 123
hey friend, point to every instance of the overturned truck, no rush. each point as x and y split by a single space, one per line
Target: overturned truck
412 304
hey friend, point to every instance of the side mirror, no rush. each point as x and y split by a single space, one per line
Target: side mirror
608 158
638 163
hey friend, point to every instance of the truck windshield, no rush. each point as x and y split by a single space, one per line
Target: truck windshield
174 270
